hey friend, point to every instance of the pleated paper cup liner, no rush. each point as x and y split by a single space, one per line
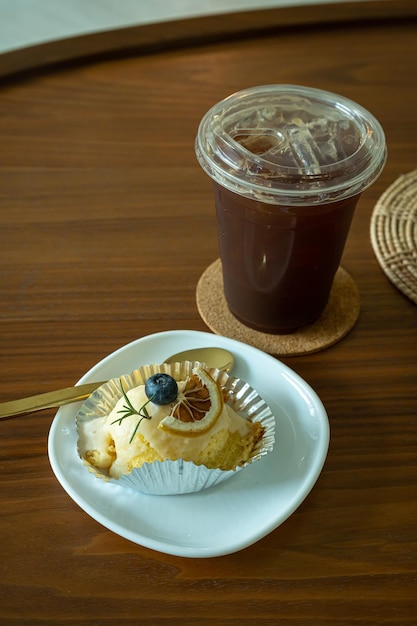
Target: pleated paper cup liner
179 476
394 233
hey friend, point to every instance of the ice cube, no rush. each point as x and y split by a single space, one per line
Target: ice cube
305 150
257 144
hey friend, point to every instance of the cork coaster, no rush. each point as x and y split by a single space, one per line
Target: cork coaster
394 233
337 320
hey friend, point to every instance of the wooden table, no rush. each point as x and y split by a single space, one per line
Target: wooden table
106 225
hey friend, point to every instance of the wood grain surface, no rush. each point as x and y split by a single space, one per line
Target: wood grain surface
106 225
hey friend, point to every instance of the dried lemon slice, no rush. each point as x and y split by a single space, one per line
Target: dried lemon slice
197 407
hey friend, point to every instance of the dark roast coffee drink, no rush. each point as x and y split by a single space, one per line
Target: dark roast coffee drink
288 165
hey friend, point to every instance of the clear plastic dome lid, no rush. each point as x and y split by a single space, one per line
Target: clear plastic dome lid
287 144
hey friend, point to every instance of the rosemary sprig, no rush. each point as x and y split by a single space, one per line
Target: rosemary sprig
128 409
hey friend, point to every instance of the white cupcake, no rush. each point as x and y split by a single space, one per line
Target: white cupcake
211 427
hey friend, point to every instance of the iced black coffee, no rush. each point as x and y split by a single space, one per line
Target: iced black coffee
288 165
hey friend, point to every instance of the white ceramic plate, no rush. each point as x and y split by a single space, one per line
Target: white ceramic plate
232 515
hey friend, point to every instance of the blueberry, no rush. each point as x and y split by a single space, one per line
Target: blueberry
161 388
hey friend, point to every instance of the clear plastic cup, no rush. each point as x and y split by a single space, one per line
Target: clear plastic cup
288 165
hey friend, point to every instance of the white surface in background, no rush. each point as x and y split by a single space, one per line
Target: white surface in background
30 22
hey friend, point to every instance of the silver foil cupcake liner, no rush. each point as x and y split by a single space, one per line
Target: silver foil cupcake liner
178 477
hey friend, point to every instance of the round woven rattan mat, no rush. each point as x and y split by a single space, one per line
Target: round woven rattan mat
338 318
394 233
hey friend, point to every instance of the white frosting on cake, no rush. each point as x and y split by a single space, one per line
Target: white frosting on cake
110 435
